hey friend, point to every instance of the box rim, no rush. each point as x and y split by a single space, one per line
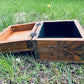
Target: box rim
61 39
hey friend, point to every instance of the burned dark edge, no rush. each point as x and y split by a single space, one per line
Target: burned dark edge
35 49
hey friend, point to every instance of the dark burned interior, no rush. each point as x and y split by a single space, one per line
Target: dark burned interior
63 29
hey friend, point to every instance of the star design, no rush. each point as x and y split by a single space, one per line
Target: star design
66 50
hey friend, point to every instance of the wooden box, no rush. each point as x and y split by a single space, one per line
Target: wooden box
59 40
17 38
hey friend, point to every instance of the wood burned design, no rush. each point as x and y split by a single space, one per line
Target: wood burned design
66 50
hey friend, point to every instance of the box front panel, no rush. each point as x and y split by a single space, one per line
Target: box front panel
61 50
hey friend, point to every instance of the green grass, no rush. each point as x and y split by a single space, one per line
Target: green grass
37 10
27 70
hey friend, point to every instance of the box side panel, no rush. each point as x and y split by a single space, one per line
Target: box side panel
5 33
16 46
23 27
61 50
79 28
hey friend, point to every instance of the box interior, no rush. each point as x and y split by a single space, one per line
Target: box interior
17 33
63 29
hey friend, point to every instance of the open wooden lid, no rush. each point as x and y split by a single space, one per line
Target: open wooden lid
17 38
20 32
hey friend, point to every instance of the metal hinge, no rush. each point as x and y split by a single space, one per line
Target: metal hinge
33 34
38 24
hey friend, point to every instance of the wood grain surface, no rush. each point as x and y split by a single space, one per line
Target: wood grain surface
61 50
16 46
22 27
